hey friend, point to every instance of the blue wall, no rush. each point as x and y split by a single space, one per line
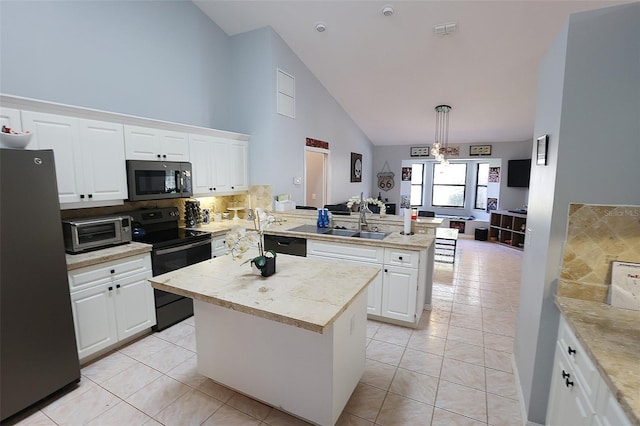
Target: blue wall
164 60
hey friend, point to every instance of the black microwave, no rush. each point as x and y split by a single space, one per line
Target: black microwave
158 180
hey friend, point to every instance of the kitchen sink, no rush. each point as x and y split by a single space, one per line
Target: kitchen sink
342 232
371 235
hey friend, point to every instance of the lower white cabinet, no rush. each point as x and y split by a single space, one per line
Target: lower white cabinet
218 247
111 302
578 395
398 292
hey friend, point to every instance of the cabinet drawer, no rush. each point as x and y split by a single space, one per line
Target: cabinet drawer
87 276
578 360
399 257
356 252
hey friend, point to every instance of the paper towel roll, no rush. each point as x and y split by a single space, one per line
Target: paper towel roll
407 221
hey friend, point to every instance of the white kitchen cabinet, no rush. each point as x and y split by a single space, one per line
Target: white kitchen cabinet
219 165
89 156
218 247
397 294
578 395
145 143
111 302
238 155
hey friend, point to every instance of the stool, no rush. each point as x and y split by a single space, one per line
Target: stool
482 234
445 245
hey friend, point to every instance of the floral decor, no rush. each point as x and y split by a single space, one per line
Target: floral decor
239 240
356 200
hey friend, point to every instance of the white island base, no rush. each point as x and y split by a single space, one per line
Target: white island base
308 374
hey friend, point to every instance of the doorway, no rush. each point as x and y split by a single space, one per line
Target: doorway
316 177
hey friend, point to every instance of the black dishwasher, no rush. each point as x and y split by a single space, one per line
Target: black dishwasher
286 245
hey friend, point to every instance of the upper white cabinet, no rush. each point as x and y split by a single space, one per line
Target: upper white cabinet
89 155
219 165
145 143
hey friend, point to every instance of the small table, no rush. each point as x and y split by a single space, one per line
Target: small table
235 211
445 245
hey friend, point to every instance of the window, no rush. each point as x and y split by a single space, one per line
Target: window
449 185
417 182
482 178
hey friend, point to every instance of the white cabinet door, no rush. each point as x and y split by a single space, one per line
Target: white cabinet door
399 290
567 403
201 154
143 143
218 247
134 305
61 134
221 166
94 319
238 160
374 296
104 171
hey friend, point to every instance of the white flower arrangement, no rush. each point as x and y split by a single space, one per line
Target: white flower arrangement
356 200
239 240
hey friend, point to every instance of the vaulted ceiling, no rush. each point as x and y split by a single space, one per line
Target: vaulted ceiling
389 72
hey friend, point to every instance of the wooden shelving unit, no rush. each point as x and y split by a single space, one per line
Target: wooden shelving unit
508 228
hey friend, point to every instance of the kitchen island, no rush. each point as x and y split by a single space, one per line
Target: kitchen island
295 340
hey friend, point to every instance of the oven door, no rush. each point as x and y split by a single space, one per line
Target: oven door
172 308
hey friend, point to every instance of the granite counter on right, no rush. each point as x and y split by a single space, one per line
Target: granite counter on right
611 338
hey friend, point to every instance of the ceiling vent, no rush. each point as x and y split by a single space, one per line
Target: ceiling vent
445 29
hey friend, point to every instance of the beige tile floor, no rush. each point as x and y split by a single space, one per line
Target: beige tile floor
454 369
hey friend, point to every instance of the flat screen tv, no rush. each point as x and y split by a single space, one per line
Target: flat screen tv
518 172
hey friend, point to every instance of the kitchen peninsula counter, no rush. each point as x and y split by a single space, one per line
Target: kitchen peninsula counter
611 336
295 340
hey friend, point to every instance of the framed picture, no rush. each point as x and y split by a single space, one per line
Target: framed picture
420 151
543 144
479 150
356 167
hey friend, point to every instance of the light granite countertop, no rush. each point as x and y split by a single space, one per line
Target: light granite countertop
305 293
76 261
416 241
611 336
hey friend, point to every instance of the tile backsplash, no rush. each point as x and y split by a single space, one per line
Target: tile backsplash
260 197
596 236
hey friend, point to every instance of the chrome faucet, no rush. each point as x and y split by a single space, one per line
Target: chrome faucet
364 209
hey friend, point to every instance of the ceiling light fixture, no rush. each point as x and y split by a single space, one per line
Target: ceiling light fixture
320 27
441 141
387 11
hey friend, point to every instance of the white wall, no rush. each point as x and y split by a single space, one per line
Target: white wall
588 100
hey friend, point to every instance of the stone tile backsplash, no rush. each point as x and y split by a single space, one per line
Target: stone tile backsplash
596 236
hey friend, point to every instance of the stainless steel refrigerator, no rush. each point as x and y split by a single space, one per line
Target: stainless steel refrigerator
38 354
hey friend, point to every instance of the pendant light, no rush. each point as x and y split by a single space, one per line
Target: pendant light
441 139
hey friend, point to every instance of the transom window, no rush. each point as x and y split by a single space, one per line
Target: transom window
449 185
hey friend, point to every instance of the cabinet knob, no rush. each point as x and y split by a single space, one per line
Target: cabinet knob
90 195
117 285
210 189
233 187
110 288
568 383
386 270
82 196
214 189
565 375
399 257
164 155
571 350
158 156
113 271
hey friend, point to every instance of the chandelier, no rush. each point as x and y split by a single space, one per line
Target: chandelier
440 145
